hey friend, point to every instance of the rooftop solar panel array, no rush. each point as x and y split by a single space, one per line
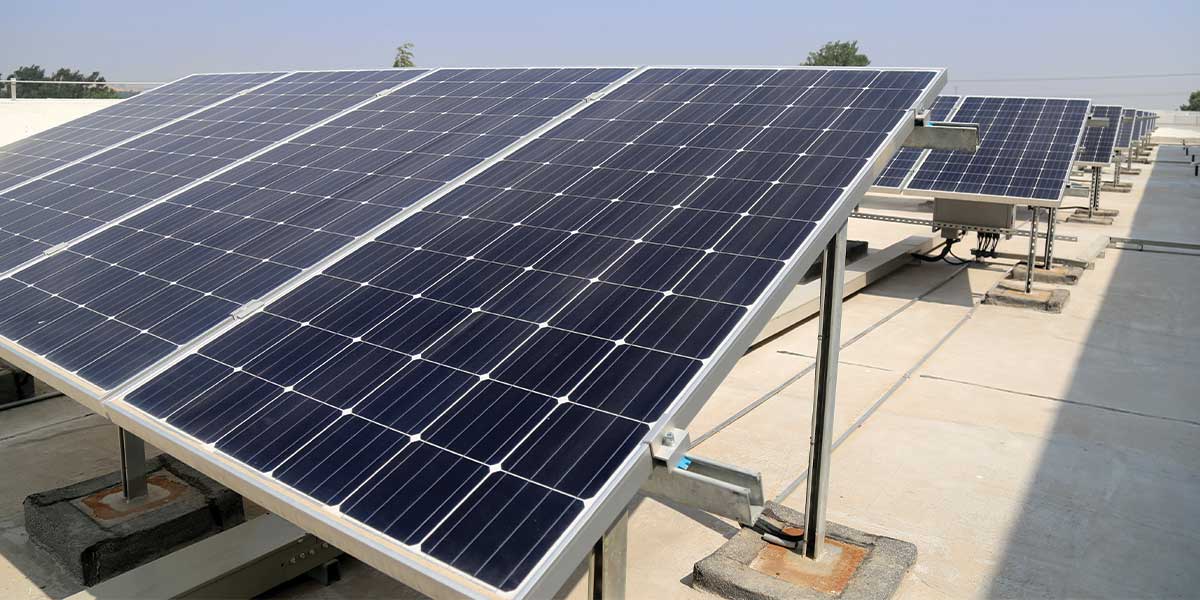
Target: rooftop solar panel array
902 163
84 196
469 380
136 291
1098 142
1125 133
1026 146
57 146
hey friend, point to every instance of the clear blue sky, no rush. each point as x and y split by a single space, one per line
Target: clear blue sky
131 40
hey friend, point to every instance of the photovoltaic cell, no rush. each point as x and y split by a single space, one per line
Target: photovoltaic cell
44 151
1098 142
183 265
906 158
1026 146
506 347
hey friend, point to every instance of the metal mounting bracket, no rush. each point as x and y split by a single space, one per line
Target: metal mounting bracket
714 487
943 136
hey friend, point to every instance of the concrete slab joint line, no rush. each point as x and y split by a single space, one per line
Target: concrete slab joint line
728 572
110 540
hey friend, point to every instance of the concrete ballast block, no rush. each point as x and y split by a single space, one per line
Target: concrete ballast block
95 536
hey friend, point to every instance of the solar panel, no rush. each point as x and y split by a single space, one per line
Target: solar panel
84 196
1026 146
901 165
471 386
166 275
50 149
1125 133
1098 142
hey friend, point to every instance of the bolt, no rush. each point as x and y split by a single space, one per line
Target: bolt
669 438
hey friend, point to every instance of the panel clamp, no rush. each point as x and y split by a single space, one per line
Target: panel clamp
52 250
247 309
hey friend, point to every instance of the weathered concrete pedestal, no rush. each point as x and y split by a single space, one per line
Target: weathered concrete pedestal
95 534
1120 188
855 565
1097 212
1011 293
1093 220
1056 274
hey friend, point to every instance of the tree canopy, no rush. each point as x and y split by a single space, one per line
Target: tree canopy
1193 102
404 55
49 90
838 54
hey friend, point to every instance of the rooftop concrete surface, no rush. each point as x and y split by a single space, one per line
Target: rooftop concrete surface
23 118
1027 455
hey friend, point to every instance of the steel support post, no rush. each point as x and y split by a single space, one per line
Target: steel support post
1117 171
12 88
1051 217
1032 250
606 568
133 465
1094 202
833 272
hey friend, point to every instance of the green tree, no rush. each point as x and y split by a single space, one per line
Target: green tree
95 89
404 55
1193 102
838 54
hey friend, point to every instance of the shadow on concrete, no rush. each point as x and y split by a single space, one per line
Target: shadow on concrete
1113 508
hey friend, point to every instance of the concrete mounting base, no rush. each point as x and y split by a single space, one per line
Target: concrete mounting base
1130 171
1011 293
1097 212
1056 274
1095 220
857 565
1123 188
94 534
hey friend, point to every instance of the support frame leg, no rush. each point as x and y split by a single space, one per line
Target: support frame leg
607 564
1029 264
820 441
133 465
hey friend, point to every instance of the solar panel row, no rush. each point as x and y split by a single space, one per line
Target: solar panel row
50 149
468 380
134 292
1098 142
1026 146
902 163
91 192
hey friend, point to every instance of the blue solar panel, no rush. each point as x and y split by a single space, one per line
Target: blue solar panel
111 304
906 158
84 196
1098 142
468 381
1125 133
166 275
44 151
1026 146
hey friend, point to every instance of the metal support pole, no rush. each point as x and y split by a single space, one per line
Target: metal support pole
833 272
1095 200
133 465
606 568
1051 216
1032 250
12 88
1117 171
